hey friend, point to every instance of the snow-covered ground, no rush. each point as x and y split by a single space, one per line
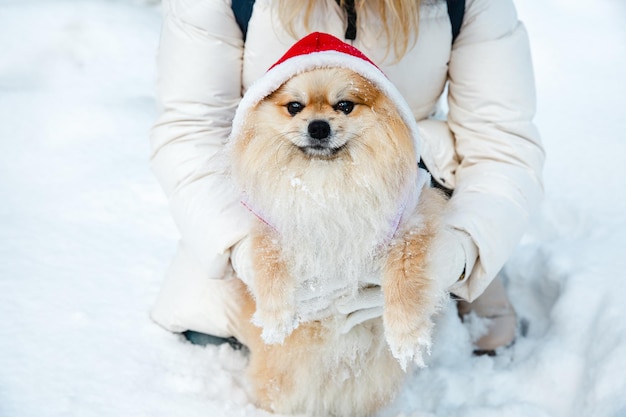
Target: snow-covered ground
85 233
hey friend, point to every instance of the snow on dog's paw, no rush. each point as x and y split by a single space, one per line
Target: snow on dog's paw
409 343
414 353
276 325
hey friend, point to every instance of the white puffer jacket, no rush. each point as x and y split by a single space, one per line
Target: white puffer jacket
488 150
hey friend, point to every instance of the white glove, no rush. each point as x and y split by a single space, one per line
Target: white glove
451 257
367 305
241 260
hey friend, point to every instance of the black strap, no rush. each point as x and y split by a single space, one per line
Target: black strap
243 11
456 11
435 182
351 18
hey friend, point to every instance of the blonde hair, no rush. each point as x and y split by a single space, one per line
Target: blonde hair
399 19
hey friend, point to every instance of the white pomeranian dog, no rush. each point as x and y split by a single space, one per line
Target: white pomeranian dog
327 162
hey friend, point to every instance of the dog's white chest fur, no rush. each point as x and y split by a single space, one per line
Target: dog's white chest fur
333 237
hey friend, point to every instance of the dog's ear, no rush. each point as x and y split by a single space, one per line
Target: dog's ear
367 93
397 132
247 132
401 133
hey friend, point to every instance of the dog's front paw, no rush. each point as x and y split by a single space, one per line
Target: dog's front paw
408 341
276 324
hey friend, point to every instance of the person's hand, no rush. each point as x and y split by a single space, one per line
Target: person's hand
241 261
451 256
366 305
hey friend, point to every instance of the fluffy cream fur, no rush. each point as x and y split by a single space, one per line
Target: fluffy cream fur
338 213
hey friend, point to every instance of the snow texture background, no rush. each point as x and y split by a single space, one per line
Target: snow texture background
85 233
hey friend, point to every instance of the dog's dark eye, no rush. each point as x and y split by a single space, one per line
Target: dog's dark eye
344 106
294 107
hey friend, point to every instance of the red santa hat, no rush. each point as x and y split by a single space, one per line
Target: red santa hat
321 50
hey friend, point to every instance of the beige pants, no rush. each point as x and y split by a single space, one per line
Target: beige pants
493 304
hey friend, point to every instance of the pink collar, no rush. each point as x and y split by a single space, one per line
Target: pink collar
256 214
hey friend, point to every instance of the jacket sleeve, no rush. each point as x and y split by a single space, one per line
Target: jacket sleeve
491 107
199 87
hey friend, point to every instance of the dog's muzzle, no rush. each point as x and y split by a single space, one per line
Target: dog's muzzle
319 141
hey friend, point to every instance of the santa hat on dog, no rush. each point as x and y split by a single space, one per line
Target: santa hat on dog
321 50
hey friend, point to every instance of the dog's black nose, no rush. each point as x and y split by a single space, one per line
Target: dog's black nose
319 129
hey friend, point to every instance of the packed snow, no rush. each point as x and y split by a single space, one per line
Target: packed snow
85 233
